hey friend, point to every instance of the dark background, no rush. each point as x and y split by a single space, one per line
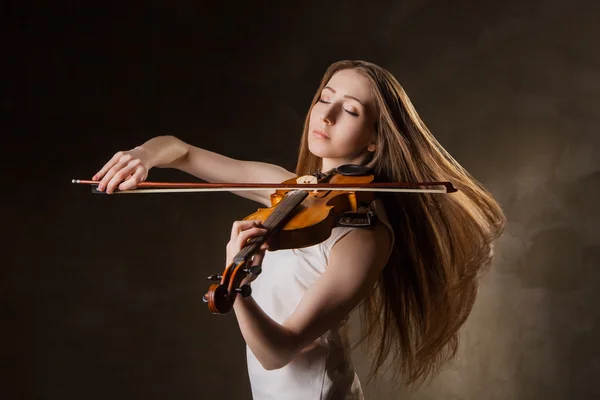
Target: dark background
101 295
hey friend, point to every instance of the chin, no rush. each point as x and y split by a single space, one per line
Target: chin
319 150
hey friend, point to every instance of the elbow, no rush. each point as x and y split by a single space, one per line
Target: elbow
270 366
277 358
275 364
277 351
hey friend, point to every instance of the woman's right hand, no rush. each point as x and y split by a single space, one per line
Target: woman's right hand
125 170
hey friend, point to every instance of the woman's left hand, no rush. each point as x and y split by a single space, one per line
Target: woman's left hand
241 231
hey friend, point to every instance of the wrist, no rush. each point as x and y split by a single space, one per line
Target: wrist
145 156
241 301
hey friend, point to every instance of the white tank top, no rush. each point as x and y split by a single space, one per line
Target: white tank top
324 370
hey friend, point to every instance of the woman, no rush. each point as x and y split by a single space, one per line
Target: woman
414 273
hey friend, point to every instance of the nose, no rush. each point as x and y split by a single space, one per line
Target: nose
327 117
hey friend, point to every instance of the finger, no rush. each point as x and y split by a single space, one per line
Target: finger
139 174
247 234
133 180
123 173
107 166
122 161
239 226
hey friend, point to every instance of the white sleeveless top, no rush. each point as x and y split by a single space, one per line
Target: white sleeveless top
323 371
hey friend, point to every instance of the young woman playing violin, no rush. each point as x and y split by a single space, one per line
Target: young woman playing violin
414 273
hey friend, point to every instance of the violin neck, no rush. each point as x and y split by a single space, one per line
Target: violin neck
277 218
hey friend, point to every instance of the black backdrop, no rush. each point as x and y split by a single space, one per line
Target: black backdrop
102 294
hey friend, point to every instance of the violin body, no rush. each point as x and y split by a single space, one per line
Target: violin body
312 220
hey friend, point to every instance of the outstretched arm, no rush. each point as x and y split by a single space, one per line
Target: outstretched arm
128 168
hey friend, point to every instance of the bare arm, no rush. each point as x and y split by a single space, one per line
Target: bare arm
214 167
355 264
127 169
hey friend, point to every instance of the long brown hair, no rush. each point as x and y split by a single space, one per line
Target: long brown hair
443 241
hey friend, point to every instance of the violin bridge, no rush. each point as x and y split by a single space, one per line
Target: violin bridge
363 219
307 180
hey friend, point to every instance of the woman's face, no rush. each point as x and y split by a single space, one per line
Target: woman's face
342 122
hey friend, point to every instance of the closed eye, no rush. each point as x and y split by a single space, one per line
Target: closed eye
354 114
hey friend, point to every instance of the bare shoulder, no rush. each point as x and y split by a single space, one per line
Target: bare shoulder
366 249
377 238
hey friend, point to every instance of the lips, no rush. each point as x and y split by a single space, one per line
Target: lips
320 133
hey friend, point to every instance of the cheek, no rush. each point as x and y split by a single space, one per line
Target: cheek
314 115
358 133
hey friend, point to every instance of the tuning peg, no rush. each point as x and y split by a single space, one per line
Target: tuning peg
254 271
205 299
244 291
214 277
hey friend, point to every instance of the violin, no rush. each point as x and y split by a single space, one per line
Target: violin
303 212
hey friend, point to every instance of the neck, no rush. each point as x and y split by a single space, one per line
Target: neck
328 164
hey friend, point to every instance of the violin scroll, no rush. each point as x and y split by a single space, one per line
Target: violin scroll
220 297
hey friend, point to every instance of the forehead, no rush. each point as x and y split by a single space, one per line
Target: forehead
352 83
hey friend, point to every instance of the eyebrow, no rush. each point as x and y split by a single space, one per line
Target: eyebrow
345 96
